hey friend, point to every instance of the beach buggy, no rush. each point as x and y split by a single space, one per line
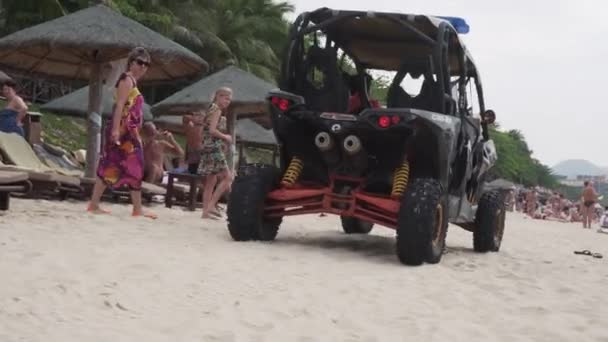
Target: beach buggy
413 165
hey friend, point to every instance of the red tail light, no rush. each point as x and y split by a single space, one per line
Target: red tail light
384 121
281 103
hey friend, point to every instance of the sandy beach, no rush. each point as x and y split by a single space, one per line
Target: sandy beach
71 276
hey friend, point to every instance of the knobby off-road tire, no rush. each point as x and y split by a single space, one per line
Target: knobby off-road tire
422 223
246 204
489 222
352 225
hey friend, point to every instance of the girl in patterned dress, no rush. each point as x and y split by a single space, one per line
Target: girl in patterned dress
213 163
122 162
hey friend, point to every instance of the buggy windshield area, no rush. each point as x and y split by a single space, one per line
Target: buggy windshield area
334 56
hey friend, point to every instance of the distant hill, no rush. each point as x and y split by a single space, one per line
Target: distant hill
574 167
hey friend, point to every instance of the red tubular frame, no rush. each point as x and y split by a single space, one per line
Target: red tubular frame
300 199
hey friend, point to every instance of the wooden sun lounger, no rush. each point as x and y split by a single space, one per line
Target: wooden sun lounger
44 183
148 190
11 181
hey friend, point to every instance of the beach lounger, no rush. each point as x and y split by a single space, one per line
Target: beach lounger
45 179
10 182
148 190
47 183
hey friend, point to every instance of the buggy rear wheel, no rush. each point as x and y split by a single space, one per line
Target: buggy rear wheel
422 223
246 204
352 225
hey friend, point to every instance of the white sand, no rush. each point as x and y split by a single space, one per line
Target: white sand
70 276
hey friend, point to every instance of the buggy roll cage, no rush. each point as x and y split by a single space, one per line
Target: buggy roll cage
446 37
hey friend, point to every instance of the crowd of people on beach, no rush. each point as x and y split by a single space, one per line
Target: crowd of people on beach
544 204
134 152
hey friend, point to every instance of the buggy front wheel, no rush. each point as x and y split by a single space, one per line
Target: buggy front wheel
246 203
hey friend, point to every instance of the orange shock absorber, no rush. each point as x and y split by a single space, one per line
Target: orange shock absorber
293 172
400 179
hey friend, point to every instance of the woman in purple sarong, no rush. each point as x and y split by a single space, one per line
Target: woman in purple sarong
121 163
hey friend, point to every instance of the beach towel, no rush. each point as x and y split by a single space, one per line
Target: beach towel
59 164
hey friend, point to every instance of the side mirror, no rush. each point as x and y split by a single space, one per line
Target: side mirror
488 117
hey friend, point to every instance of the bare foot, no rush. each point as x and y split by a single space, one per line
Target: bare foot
209 216
146 215
97 210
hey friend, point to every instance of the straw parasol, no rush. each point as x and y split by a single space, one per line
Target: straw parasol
249 96
247 130
75 104
76 46
249 93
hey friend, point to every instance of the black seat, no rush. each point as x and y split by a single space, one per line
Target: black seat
330 93
427 99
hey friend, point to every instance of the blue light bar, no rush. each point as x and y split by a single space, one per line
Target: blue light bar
459 24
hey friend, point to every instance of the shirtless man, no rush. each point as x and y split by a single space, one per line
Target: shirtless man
156 144
531 202
193 128
589 198
11 117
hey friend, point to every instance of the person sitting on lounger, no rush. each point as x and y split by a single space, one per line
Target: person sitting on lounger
11 117
156 144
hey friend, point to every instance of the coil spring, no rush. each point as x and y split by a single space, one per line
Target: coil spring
472 197
293 171
400 179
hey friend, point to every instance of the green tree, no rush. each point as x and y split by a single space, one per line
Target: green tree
249 33
515 161
18 14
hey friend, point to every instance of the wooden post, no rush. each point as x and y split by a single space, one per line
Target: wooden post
231 126
94 120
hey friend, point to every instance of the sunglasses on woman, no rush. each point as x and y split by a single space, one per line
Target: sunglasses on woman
141 62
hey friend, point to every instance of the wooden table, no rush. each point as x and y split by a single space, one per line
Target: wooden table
192 180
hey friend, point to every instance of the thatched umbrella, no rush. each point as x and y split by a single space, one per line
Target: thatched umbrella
249 95
247 130
249 133
75 104
4 77
76 46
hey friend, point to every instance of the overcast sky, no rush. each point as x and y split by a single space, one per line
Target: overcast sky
543 64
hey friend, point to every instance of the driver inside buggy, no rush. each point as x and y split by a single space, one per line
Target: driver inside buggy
355 102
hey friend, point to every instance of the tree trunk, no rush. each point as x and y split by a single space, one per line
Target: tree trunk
94 120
